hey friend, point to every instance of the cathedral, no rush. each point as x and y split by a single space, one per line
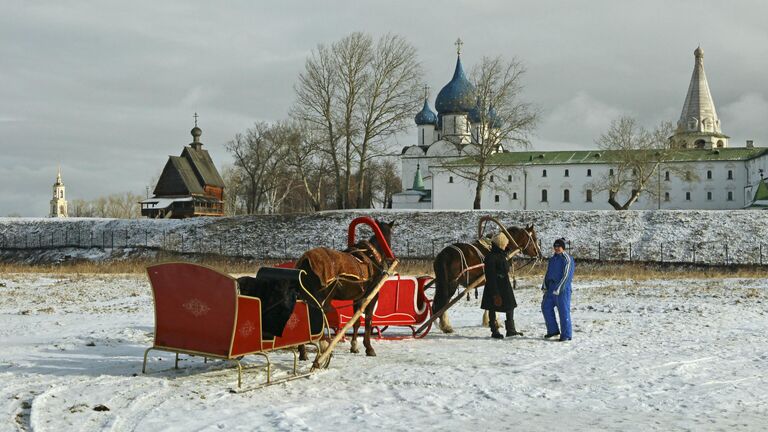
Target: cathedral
727 177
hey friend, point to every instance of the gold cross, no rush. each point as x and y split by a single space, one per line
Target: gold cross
195 116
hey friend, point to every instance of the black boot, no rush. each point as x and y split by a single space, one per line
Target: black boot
495 330
511 331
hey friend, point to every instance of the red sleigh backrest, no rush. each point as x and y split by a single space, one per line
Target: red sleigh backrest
195 308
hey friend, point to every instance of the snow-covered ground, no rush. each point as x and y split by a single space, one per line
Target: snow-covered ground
646 355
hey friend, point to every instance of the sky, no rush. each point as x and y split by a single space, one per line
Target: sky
107 89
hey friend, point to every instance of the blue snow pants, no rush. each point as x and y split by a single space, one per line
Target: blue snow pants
563 304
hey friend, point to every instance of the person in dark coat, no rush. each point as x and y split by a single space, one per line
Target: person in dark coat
498 295
557 292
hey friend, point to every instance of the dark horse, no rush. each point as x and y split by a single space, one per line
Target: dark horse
347 275
461 264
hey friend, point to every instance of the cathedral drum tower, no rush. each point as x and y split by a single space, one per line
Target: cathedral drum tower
59 201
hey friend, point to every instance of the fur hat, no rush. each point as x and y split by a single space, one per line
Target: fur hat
500 240
559 242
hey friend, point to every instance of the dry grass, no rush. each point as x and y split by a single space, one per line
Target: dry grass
585 270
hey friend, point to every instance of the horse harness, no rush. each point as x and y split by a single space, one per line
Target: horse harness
360 252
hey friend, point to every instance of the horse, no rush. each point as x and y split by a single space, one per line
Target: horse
350 274
462 263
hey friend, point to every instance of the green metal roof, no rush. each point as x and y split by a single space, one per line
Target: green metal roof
761 194
611 156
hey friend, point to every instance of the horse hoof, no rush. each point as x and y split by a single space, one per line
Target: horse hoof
303 358
370 353
354 350
448 330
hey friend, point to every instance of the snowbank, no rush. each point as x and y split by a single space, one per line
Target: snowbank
666 235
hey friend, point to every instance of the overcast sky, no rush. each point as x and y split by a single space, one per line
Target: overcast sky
108 89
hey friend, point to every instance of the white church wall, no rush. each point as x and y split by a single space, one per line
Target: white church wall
520 188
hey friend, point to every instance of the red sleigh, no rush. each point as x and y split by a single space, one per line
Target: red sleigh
402 302
199 311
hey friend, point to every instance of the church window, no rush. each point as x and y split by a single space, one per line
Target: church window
730 174
589 195
509 178
720 144
666 175
566 173
709 174
491 179
495 198
730 195
589 173
543 173
543 195
709 196
699 144
450 179
666 196
687 196
610 172
566 195
514 195
692 124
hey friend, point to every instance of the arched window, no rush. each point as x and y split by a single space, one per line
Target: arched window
610 172
666 175
491 179
509 178
666 196
495 198
543 195
566 173
566 195
543 173
730 174
709 174
720 144
450 179
699 144
589 173
514 195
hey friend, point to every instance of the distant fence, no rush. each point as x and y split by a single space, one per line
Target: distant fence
238 246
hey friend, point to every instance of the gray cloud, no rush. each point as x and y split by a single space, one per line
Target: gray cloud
108 88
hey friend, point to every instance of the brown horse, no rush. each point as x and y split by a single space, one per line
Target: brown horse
461 264
347 275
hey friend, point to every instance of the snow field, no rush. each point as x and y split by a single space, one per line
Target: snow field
646 355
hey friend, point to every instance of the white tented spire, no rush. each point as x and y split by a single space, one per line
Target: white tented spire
699 113
699 126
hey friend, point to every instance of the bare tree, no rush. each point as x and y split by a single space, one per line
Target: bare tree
118 206
259 153
354 95
635 154
505 121
389 99
305 158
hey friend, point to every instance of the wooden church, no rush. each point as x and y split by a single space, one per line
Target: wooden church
189 186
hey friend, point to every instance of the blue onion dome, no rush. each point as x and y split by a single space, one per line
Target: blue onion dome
474 113
426 116
458 96
494 119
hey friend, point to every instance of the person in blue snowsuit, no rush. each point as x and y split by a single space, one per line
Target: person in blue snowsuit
557 292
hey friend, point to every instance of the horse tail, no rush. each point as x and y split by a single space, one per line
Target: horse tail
443 286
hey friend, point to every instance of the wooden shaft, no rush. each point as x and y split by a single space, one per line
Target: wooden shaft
322 357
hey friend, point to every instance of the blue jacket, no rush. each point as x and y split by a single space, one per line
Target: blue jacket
559 274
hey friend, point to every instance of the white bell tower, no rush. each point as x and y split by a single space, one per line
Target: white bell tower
59 200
